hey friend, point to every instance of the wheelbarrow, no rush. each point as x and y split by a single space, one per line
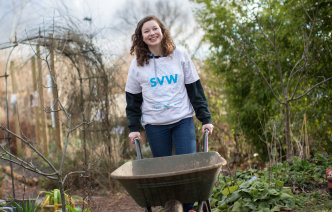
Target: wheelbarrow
184 178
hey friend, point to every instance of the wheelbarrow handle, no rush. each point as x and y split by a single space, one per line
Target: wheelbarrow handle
138 148
205 145
206 140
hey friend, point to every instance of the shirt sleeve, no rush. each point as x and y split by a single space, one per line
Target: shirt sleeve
132 84
133 111
197 99
189 70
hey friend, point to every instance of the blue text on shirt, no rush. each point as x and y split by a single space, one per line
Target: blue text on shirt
169 80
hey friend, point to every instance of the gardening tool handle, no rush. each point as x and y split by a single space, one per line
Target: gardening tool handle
206 140
138 148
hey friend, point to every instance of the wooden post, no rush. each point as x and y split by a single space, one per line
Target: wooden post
44 131
55 96
17 144
36 106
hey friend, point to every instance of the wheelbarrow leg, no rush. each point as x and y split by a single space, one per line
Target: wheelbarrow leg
148 209
204 206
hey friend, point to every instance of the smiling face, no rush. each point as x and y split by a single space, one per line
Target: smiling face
152 34
151 37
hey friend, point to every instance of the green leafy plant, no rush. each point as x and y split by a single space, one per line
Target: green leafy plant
269 189
53 197
251 195
24 206
304 173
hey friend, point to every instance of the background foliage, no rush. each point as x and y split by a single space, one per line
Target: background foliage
281 41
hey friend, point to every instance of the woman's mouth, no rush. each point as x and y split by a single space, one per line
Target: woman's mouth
153 39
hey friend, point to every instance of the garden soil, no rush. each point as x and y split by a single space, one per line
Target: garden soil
103 202
112 202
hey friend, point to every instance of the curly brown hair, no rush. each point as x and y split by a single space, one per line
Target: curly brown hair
141 49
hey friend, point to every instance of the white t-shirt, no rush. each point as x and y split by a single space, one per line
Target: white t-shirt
162 83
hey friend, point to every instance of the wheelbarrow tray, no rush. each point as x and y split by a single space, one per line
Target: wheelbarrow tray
154 181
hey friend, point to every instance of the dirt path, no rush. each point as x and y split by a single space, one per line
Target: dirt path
118 202
109 202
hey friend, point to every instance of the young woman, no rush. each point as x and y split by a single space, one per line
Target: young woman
163 92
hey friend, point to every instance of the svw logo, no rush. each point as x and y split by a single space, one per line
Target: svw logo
161 81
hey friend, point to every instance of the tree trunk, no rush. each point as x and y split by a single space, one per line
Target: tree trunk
63 198
44 129
289 149
55 98
16 145
35 104
306 138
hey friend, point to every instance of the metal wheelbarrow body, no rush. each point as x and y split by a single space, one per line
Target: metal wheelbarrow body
186 178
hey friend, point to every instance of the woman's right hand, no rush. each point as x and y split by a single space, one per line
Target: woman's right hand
134 135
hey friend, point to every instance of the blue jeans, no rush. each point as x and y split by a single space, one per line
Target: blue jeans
162 137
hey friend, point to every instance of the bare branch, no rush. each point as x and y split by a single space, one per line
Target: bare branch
30 146
40 173
265 80
81 124
278 64
310 89
66 143
276 52
73 172
262 31
24 164
305 10
306 44
294 69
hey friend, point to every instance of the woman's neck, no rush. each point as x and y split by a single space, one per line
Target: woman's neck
156 50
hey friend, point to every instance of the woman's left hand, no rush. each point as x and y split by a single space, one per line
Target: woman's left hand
209 127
